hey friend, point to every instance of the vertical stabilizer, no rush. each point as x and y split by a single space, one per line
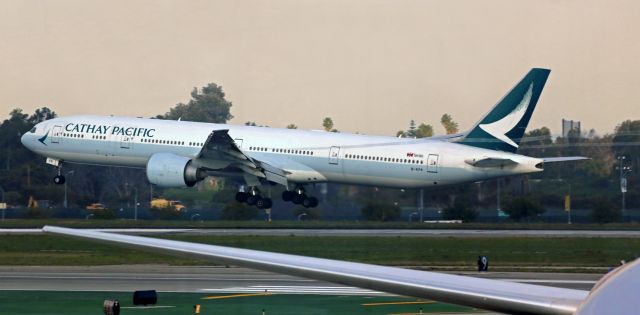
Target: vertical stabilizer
503 127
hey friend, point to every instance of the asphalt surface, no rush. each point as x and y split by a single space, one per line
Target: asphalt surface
220 280
366 232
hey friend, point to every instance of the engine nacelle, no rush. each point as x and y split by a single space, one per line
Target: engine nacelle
170 170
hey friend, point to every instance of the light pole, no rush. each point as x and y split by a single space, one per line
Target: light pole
421 204
64 204
2 190
498 197
135 204
135 200
567 203
624 170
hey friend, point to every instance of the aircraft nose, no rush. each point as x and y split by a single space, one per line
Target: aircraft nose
24 139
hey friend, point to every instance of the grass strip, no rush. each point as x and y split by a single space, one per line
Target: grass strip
400 251
78 223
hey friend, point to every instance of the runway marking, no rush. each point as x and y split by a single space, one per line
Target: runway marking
298 290
150 278
234 296
398 303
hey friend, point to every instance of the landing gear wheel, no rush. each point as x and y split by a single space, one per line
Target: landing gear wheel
59 180
260 203
241 196
252 199
287 195
313 202
298 198
267 203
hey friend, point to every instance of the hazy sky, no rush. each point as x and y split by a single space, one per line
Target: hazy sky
371 65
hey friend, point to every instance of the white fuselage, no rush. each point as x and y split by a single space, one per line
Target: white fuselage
307 156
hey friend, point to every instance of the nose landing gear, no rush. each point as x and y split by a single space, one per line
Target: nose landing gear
59 179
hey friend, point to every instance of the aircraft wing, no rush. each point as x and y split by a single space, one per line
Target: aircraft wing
486 294
221 152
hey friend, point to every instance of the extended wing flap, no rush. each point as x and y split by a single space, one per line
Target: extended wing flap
487 294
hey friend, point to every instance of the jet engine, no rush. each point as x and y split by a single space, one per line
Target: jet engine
171 170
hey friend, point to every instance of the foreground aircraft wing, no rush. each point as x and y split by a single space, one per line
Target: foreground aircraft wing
495 295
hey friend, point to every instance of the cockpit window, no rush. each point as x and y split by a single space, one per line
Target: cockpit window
33 130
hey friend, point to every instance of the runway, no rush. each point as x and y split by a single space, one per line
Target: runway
365 232
220 280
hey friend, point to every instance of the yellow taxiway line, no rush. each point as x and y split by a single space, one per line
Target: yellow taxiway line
398 303
233 296
478 312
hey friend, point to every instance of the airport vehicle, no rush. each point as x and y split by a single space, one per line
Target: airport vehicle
96 206
181 153
615 293
161 203
32 203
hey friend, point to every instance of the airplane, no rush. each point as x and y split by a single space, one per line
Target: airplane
182 153
615 293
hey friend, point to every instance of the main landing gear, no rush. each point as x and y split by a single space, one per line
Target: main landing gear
298 196
253 198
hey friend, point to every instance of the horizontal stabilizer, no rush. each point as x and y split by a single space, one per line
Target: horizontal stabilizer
564 159
491 162
448 137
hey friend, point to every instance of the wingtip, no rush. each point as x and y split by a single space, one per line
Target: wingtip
48 228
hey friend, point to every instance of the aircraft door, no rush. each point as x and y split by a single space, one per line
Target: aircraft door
432 163
334 155
126 142
238 143
56 134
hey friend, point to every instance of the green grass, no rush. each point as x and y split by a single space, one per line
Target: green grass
405 251
82 303
80 223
